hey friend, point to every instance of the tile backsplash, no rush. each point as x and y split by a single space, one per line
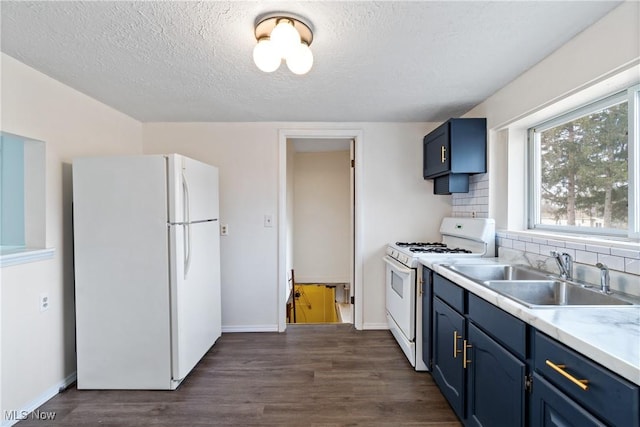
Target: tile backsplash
625 260
624 264
475 203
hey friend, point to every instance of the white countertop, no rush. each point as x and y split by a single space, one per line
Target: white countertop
609 336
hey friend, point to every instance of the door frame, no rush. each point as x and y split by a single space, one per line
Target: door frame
356 279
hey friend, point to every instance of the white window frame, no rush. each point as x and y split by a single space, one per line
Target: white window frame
632 96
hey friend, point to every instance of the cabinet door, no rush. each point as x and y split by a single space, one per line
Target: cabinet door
495 378
436 152
448 328
468 138
427 302
552 408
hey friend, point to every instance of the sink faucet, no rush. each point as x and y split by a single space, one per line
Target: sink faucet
604 278
565 264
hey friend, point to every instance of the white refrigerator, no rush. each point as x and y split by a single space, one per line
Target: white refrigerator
147 269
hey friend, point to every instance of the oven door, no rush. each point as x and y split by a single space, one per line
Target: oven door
401 292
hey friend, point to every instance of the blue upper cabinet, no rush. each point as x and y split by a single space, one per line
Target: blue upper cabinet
453 151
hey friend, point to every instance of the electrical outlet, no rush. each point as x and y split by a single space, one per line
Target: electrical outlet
224 230
268 221
44 302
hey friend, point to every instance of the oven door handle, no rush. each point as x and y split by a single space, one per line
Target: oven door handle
396 265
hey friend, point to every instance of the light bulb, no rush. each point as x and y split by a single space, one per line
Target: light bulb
301 60
285 38
265 56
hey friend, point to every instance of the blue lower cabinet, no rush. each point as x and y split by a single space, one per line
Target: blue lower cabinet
494 370
495 383
603 393
448 373
552 408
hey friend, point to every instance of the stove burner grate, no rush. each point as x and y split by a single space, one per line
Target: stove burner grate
421 244
441 250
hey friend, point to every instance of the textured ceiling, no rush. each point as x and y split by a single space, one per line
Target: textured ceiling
374 61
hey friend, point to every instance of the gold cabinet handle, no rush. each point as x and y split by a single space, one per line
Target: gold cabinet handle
560 369
456 337
420 290
465 346
443 152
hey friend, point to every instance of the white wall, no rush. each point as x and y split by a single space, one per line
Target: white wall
38 348
397 205
322 238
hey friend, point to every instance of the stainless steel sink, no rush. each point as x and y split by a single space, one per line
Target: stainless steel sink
553 293
484 272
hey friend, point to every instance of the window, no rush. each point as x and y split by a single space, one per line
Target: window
583 169
22 200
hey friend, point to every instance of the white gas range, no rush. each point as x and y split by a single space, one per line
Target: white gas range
408 299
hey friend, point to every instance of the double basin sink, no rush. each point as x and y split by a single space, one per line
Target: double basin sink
536 288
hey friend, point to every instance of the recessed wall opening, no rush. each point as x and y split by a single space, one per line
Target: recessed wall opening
22 200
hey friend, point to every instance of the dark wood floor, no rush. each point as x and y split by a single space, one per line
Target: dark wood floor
312 375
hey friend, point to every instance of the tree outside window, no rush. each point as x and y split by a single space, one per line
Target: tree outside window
583 170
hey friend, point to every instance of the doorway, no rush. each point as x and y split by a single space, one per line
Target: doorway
319 248
319 200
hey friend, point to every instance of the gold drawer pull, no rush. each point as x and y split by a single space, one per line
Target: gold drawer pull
443 152
465 362
456 337
560 369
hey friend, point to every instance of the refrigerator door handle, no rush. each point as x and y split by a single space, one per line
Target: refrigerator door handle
185 201
187 224
187 264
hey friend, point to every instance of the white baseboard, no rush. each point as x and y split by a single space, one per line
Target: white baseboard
376 326
24 412
249 328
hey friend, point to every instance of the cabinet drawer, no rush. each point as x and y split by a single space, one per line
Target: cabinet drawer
551 408
449 292
609 397
506 329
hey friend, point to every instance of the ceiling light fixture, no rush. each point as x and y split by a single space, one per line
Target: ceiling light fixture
283 37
